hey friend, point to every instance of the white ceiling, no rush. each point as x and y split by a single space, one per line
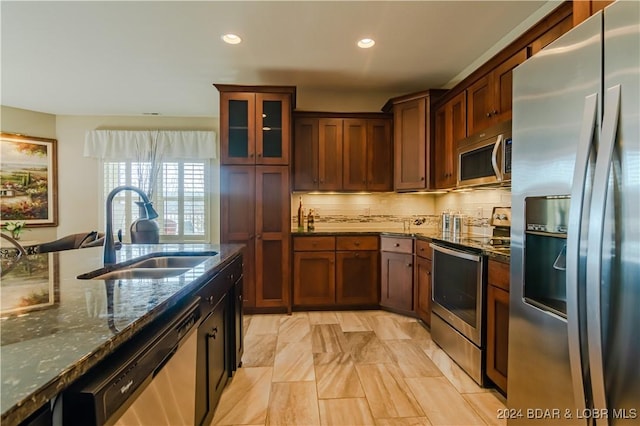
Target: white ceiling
134 57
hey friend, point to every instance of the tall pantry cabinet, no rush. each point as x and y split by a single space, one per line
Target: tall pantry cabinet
255 145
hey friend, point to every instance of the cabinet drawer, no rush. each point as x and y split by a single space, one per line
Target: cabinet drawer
423 249
314 243
499 274
397 245
357 243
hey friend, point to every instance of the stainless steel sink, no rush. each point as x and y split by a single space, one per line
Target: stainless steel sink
155 266
171 262
140 273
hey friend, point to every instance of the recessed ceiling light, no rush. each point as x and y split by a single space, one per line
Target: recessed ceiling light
231 38
366 43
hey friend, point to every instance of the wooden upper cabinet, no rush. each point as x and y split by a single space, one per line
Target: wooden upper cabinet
330 154
379 155
490 98
410 144
413 133
584 8
335 154
553 33
305 154
255 124
354 154
450 127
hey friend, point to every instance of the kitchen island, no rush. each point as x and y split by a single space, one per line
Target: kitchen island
56 327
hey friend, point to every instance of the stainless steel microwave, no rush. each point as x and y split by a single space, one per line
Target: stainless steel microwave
485 158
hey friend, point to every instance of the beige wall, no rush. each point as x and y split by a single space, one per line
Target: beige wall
342 101
36 124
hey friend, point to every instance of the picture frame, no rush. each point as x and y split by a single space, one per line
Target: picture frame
28 180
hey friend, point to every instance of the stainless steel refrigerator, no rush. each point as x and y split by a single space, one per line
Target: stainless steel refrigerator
574 330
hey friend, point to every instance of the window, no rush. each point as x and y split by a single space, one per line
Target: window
180 197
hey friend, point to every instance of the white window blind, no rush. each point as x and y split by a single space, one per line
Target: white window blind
181 198
181 191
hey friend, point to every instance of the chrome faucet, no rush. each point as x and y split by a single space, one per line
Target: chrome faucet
109 244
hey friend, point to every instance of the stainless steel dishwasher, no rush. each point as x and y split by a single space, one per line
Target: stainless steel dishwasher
149 382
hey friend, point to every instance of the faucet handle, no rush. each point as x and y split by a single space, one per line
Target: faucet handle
120 235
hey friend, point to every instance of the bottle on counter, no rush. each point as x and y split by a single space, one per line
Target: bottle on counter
310 221
446 222
300 216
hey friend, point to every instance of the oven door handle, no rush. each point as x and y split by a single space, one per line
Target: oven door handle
457 253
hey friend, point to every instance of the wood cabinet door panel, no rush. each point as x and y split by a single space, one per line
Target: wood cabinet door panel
441 146
273 128
409 141
503 87
305 154
357 277
479 102
498 274
272 236
330 154
237 128
497 335
237 200
272 199
423 286
397 281
379 155
272 272
354 150
314 278
553 33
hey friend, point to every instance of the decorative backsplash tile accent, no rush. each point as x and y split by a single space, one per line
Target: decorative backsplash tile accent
391 210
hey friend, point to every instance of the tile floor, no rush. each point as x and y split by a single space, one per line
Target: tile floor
349 368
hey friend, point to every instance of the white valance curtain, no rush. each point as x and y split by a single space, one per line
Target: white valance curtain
128 144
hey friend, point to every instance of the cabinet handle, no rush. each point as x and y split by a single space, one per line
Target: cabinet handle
321 181
259 155
397 244
495 112
421 248
421 177
213 333
488 115
315 181
357 255
357 243
231 277
251 155
409 265
211 300
240 298
258 236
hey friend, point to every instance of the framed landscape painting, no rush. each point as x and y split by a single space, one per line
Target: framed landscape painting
28 180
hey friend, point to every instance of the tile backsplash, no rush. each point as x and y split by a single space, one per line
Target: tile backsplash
392 210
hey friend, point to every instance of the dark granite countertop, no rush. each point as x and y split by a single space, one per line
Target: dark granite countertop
55 327
477 242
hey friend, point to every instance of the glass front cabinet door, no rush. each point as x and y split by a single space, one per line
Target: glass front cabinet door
255 127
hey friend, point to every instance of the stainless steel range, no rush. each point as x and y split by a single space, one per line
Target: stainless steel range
457 316
459 293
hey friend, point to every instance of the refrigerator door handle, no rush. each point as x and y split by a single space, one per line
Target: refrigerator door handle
595 245
494 158
574 236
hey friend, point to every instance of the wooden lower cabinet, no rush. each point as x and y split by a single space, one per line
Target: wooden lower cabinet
498 323
255 211
397 281
333 271
422 269
357 277
314 282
